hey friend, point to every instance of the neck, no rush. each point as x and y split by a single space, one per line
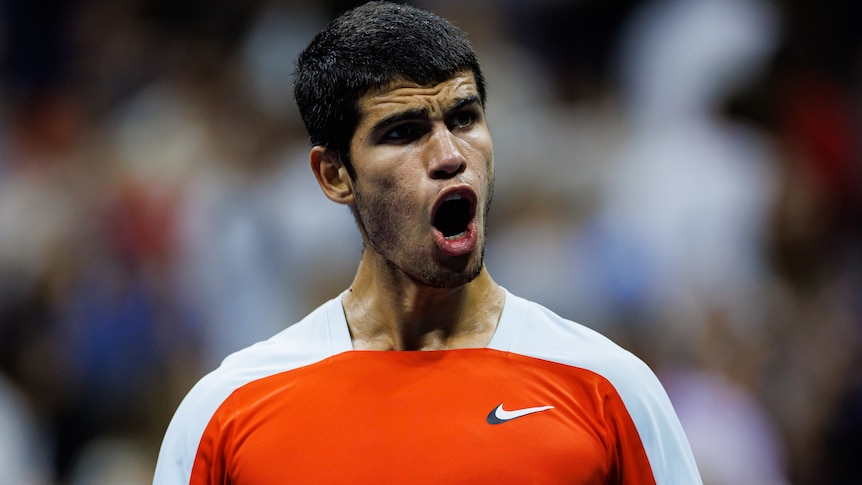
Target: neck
388 310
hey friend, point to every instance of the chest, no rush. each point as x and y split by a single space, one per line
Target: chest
425 419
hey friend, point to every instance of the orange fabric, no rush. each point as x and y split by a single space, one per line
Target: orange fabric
420 417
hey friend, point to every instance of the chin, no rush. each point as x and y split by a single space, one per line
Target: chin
451 276
447 281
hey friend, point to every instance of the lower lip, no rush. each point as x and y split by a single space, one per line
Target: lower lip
460 246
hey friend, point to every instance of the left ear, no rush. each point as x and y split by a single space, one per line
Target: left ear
331 174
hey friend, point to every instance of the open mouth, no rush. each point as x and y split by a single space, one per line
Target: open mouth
453 216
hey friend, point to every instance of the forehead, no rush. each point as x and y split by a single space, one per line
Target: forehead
404 95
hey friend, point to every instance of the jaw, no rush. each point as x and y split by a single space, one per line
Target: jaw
422 265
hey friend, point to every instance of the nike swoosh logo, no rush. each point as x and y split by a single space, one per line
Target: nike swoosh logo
500 415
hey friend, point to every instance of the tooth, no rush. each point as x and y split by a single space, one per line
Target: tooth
454 197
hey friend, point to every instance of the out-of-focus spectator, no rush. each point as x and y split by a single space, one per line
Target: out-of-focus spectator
110 461
732 434
688 199
23 457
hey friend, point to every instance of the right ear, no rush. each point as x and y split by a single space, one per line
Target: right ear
331 174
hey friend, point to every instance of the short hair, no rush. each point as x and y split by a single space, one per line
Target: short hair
368 48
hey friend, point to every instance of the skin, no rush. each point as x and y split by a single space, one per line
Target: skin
413 145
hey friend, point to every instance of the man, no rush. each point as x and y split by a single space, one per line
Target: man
424 370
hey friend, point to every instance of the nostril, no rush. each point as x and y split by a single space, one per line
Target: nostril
442 174
445 170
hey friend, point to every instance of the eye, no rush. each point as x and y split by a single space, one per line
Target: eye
401 133
463 118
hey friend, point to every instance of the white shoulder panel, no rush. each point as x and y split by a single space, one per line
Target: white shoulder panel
318 336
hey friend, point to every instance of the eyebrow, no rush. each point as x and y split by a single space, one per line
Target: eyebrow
421 113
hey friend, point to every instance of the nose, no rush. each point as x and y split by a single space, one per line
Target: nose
445 157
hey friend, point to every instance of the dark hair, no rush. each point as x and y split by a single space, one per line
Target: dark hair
367 48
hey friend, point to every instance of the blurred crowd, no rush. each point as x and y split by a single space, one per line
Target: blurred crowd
685 176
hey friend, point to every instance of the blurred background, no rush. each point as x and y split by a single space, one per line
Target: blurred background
681 175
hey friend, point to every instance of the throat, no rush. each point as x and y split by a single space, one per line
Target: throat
459 320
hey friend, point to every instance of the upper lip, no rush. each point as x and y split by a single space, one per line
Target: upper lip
464 191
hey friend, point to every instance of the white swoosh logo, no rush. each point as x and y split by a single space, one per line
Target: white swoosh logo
500 415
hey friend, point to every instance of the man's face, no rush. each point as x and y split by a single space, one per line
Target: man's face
424 178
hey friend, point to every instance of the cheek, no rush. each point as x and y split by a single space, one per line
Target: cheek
480 141
386 202
378 187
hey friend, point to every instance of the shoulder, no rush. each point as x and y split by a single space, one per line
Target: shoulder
543 334
300 344
539 332
303 343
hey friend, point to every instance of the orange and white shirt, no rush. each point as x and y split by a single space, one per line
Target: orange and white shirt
548 401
